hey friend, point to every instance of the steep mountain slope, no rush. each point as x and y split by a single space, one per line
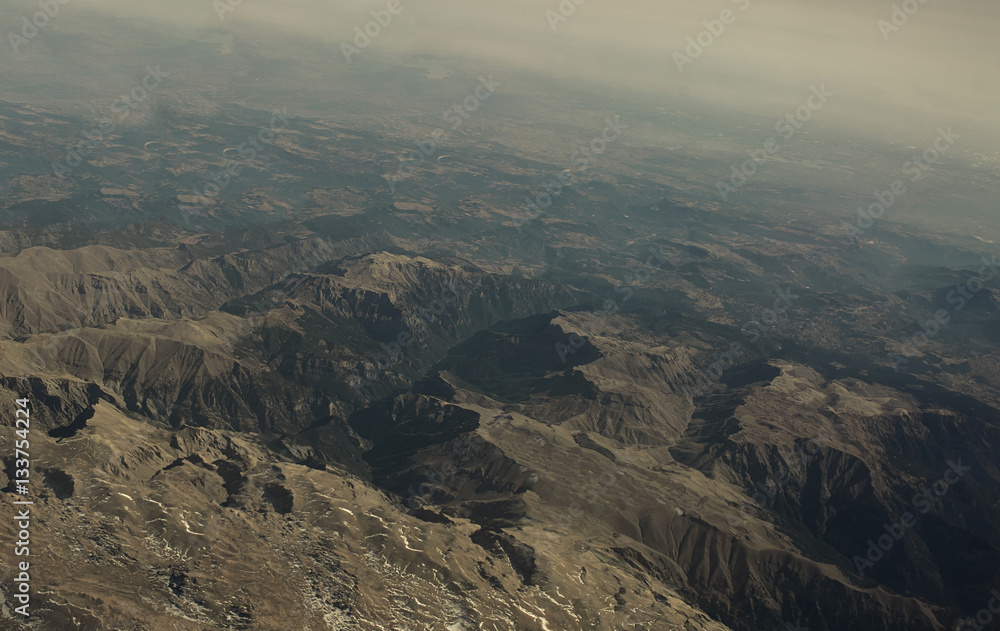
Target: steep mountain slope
414 442
761 498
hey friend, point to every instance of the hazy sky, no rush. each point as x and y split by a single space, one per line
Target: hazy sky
939 68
